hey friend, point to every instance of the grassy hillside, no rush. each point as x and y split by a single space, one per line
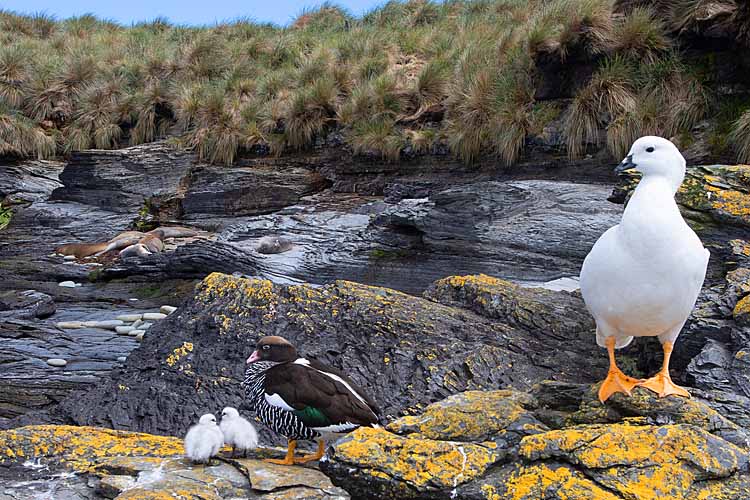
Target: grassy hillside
415 74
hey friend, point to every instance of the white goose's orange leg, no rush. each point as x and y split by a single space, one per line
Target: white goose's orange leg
661 383
315 456
616 381
289 458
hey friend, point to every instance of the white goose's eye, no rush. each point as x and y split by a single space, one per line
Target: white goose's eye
649 149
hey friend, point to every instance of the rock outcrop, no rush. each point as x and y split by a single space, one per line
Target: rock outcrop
406 351
64 463
556 442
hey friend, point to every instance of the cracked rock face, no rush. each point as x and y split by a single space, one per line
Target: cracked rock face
549 444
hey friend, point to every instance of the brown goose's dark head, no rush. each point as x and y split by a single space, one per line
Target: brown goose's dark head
276 349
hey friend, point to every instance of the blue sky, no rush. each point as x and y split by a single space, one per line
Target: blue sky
182 11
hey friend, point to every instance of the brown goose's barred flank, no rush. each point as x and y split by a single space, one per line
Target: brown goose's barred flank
301 398
281 422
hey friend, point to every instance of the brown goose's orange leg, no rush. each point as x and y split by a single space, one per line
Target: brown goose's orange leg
289 458
616 381
661 383
315 456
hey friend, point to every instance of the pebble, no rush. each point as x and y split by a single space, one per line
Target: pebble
137 323
129 318
139 337
69 257
108 324
68 284
135 333
146 326
167 309
123 330
70 325
154 316
133 300
56 362
121 359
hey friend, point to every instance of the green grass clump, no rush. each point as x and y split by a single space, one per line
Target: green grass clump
5 215
408 74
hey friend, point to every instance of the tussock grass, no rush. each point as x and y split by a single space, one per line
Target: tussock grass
408 74
740 137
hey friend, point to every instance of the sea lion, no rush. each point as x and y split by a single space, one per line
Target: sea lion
175 232
153 241
122 241
128 234
81 250
137 250
273 244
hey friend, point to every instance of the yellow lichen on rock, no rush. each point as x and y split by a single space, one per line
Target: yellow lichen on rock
742 309
81 447
179 353
532 481
640 462
417 462
734 203
469 416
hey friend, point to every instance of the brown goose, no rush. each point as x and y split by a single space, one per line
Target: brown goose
303 399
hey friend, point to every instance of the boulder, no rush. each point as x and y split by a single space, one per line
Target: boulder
460 448
405 351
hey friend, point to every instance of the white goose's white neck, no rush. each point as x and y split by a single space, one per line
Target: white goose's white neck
651 216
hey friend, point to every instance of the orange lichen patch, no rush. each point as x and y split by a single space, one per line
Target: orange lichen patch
477 280
735 203
421 463
217 285
470 416
740 247
532 482
641 462
179 353
742 308
81 447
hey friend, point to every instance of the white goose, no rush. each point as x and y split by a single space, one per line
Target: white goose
643 276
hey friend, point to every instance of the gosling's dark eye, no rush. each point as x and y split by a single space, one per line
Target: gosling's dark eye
649 150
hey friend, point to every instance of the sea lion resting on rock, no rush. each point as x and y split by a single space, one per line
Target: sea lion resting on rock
153 241
175 232
273 244
122 240
137 250
81 250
